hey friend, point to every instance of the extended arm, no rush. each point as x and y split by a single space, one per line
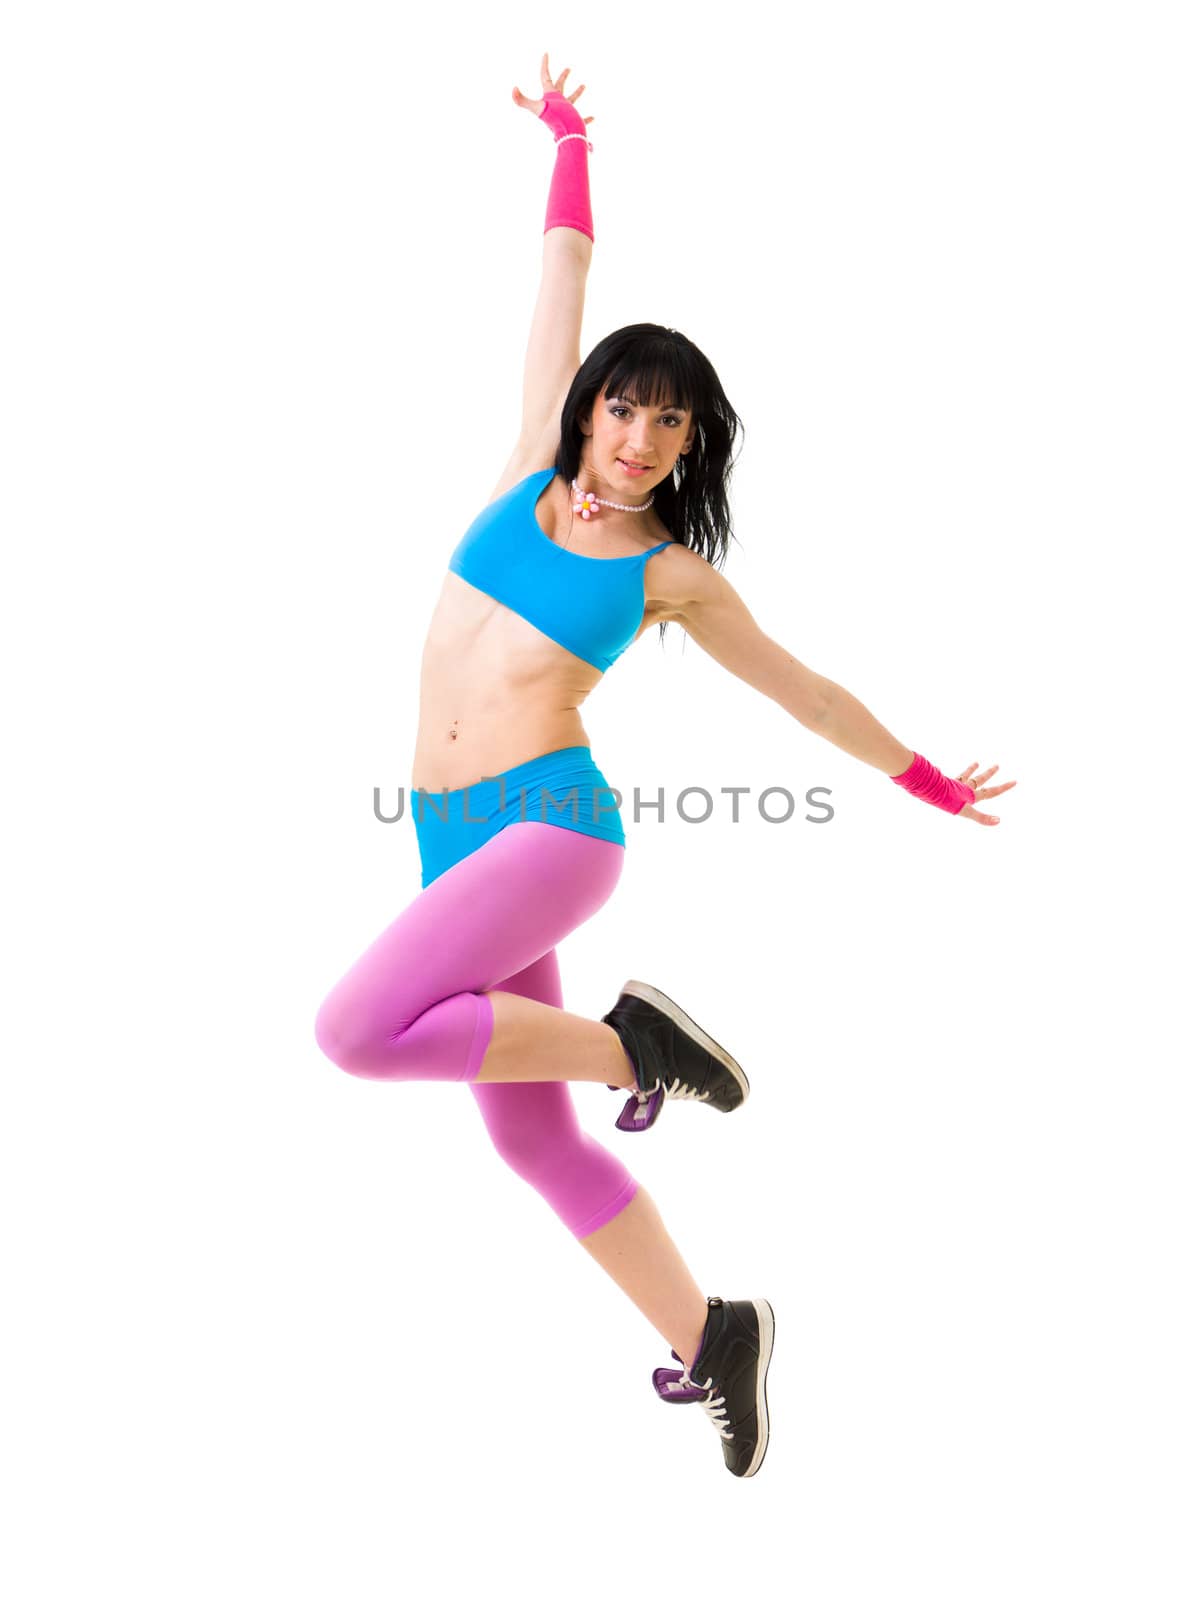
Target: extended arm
552 354
715 615
710 609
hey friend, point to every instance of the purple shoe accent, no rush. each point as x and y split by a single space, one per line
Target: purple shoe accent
641 1111
671 1385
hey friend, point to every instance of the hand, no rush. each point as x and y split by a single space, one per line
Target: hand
538 106
982 794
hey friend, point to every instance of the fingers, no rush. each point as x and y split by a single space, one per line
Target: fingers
552 83
981 793
549 86
977 782
556 84
979 816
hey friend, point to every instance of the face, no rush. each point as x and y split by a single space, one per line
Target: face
622 437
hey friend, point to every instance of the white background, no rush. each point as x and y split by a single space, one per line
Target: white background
276 1330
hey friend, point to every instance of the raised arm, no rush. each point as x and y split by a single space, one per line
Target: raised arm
552 354
710 609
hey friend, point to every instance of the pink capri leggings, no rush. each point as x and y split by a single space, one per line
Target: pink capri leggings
415 1007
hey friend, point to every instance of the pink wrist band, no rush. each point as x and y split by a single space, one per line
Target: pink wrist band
924 780
570 203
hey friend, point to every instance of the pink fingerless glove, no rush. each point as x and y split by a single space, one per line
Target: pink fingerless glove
924 780
570 204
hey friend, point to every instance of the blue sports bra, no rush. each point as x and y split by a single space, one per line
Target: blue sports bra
591 605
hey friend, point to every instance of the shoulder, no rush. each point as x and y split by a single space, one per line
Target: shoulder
678 580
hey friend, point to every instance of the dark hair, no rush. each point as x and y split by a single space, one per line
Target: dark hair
656 366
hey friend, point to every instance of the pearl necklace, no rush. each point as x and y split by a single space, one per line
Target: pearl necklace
587 504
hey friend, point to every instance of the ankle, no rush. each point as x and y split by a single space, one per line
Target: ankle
689 1350
624 1076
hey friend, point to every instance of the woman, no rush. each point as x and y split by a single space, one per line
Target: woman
611 515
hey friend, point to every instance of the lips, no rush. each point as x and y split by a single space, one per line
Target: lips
633 466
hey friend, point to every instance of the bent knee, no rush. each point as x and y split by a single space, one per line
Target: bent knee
351 1042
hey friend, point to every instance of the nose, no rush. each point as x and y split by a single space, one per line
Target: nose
639 439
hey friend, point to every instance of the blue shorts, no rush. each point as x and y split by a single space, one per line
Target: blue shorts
563 787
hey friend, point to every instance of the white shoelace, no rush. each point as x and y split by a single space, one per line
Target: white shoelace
676 1091
679 1091
713 1404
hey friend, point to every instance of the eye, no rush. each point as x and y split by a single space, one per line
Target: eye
616 410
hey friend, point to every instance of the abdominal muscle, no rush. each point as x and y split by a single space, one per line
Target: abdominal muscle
495 692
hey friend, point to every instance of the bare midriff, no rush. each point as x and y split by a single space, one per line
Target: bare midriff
495 690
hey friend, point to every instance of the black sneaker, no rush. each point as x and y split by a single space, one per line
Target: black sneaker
731 1367
673 1058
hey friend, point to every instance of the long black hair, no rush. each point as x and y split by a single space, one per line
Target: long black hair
657 366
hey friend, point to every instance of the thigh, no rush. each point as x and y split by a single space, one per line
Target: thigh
491 915
541 981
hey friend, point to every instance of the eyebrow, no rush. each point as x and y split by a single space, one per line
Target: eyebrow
630 402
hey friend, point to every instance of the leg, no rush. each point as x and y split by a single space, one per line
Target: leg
534 1128
414 1006
531 1044
637 1252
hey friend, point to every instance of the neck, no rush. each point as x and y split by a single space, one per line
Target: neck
588 478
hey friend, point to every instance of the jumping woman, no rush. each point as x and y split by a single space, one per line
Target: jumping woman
611 515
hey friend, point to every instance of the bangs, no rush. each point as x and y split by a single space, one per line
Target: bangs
656 377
